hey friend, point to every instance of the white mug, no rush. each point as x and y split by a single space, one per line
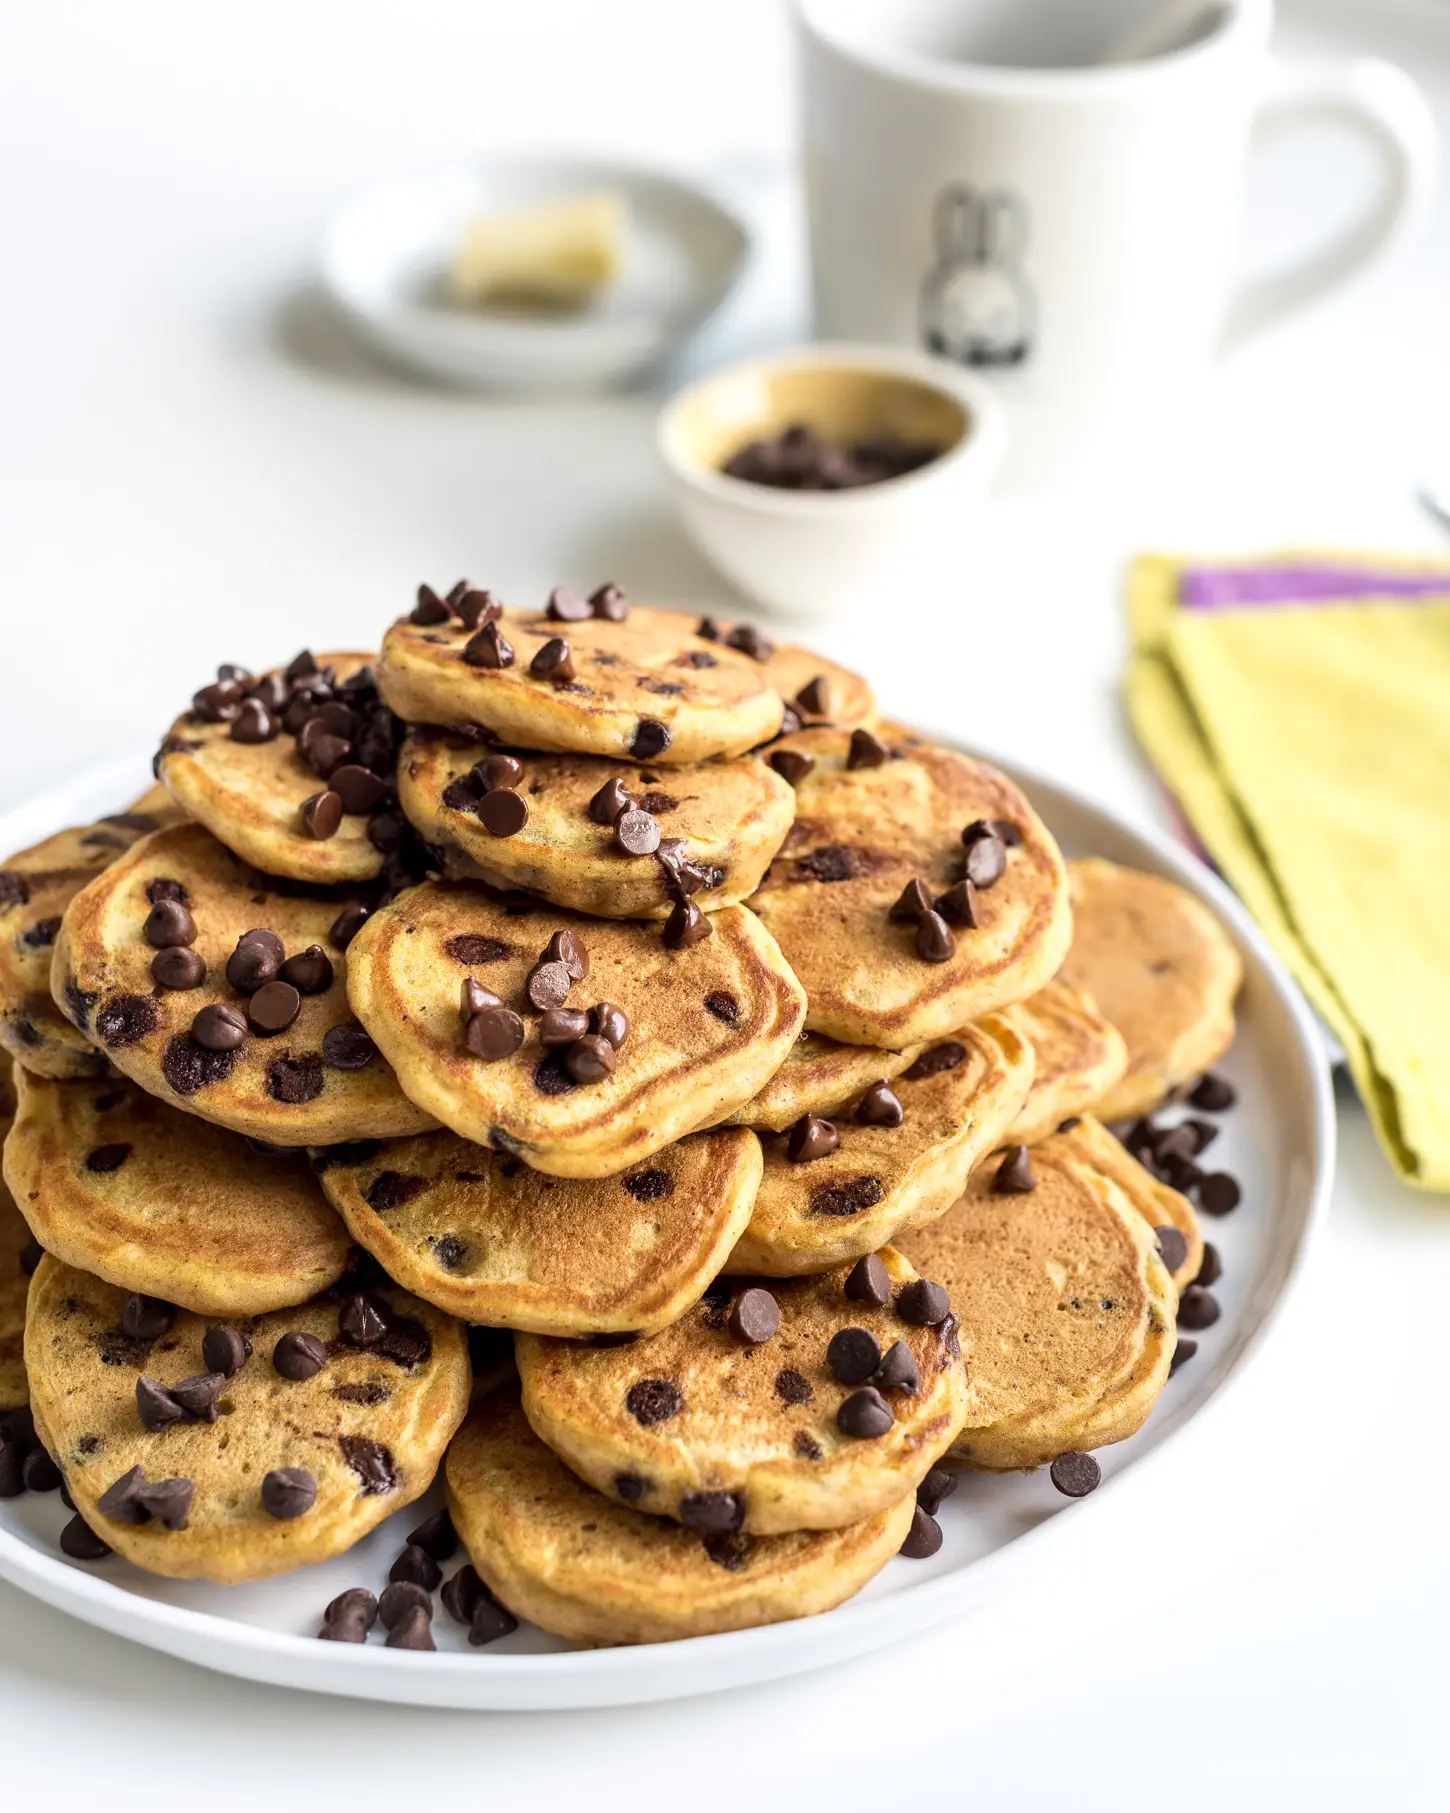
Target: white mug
983 183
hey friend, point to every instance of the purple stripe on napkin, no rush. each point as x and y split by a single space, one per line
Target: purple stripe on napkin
1221 588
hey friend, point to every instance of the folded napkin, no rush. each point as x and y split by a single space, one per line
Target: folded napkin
1298 708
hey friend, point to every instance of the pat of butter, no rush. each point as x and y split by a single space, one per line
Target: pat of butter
560 254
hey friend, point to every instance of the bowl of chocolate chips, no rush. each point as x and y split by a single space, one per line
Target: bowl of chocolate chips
826 479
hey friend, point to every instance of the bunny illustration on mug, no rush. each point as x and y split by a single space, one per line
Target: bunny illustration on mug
977 307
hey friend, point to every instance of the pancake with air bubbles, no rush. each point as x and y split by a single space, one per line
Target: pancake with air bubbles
1067 1310
732 815
15 1238
564 1558
645 689
250 794
956 1102
36 886
700 1425
297 1087
490 1240
861 835
369 1428
117 1183
1079 1057
1164 972
819 1074
1090 1143
707 1024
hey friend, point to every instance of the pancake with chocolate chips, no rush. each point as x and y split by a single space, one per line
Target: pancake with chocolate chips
1067 1310
17 1251
917 889
558 1554
292 769
494 1242
819 1074
229 1452
590 829
580 1045
1165 1209
223 992
894 1159
639 685
36 886
1079 1057
818 690
1162 969
152 1200
806 1405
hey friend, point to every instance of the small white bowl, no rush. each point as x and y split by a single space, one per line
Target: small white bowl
384 256
822 553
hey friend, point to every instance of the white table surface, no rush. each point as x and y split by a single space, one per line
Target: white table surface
193 467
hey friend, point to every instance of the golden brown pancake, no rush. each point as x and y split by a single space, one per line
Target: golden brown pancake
152 1200
492 1241
14 1283
1079 1057
860 836
707 1024
250 795
369 1428
647 689
848 701
1160 1206
733 816
1161 968
569 1561
957 1100
819 1074
289 1088
698 1424
1067 1311
36 886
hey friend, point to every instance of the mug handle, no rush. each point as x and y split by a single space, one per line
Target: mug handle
1381 104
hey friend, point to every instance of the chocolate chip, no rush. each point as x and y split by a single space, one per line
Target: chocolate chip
225 1349
295 1080
219 1027
912 904
792 765
14 889
755 1317
649 1186
346 926
935 1489
256 960
793 1387
609 602
712 1513
923 1539
869 1282
437 1536
566 606
147 1318
12 1471
1218 1193
273 1008
39 1472
503 813
653 1401
685 926
473 997
309 972
1184 1350
189 1067
1198 1308
922 1303
562 1026
254 723
167 1500
750 642
554 662
155 1405
898 1370
866 751
853 1355
548 984
386 832
865 1414
495 1033
489 648
362 1321
880 1107
564 947
391 1189
81 1543
1015 1176
178 968
126 1020
636 833
1172 1246
1072 1122
959 905
811 1138
611 799
934 940
723 1006
219 703
299 1356
986 861
169 923
288 1492
198 1395
302 666
415 1564
462 1593
430 608
414 1630
400 1598
651 738
610 1022
1213 1093
356 1604
814 698
489 1622
108 1158
847 1196
590 1059
1211 1269
356 787
323 752
348 1047
476 607
1075 1474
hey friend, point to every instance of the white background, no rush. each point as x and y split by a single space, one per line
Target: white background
193 467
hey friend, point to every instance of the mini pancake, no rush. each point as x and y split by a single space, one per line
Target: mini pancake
36 886
14 1283
957 1100
559 1555
849 700
1162 969
698 1424
1067 1311
861 835
250 794
1159 1204
164 1203
1079 1058
292 1088
707 1024
369 1428
492 1241
733 816
645 689
818 1075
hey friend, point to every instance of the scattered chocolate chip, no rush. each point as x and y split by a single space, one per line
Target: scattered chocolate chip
414 1630
299 1356
912 904
685 926
869 1282
256 960
477 606
348 1047
288 1492
811 1138
554 662
562 1026
898 1370
294 1080
564 947
1015 1176
346 926
880 1107
401 1597
416 1565
653 1401
147 1318
934 1060
750 642
547 986
986 861
792 765
167 1500
126 1020
1073 1121
935 1489
219 1027
609 602
81 1543
1172 1246
923 1539
922 1303
462 1593
1211 1270
866 751
272 1009
959 905
651 738
356 787
712 1513
610 1022
934 940
362 1321
550 1078
755 1317
566 606
189 1067
371 1461
503 813
254 723
178 968
489 648
39 1472
198 1395
1198 1308
814 698
1218 1193
611 800
1075 1474
1184 1350
490 1621
865 1414
436 1536
310 972
793 1387
590 1059
168 923
636 833
225 1349
853 1355
1213 1093
12 1470
429 609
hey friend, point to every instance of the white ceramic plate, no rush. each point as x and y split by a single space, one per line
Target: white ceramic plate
384 256
1279 1142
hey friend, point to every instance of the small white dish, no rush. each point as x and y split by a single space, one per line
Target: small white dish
816 554
385 254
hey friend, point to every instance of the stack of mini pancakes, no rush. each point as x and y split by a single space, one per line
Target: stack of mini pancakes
587 1052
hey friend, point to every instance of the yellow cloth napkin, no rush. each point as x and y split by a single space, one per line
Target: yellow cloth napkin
1309 746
